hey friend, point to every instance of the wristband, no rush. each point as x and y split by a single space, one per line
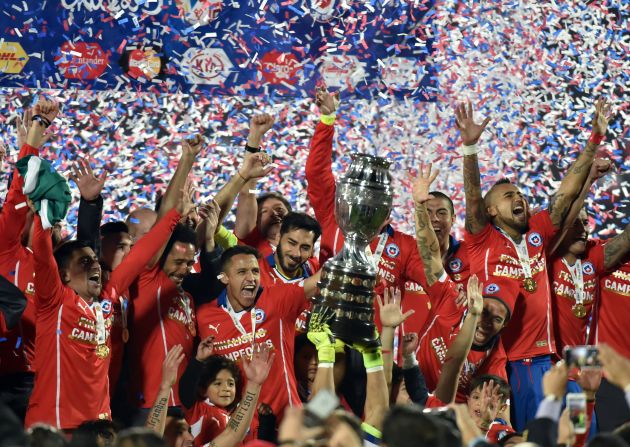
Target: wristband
328 119
470 150
251 149
374 369
325 365
41 120
409 361
596 138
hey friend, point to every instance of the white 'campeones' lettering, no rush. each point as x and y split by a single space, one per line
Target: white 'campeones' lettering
152 8
246 352
440 348
620 288
78 334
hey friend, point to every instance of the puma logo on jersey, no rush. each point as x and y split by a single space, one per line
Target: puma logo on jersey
214 328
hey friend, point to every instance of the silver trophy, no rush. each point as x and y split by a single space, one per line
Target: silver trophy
346 288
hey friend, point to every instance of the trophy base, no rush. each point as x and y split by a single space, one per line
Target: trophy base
347 297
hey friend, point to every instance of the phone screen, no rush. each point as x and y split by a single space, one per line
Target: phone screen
582 356
576 404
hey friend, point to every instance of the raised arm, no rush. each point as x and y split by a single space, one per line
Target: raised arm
189 381
476 217
320 335
460 347
190 149
91 205
47 281
427 241
319 176
256 370
575 178
247 207
254 167
310 284
156 420
377 396
391 316
616 249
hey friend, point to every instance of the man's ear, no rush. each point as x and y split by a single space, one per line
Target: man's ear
65 276
223 278
492 211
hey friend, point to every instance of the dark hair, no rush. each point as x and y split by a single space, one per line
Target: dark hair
114 228
348 418
606 440
64 252
441 195
181 233
42 435
407 425
139 437
86 434
235 251
504 387
509 436
300 221
214 365
158 201
272 195
501 181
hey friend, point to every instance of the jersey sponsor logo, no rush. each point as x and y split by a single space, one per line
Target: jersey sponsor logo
535 239
617 287
587 268
81 60
279 68
392 250
260 316
13 58
492 288
342 71
200 12
213 327
455 265
209 66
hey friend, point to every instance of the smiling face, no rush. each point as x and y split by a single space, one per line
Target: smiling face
441 218
294 249
179 262
82 273
222 390
493 319
241 275
507 207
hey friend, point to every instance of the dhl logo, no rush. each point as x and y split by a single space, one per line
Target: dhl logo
13 58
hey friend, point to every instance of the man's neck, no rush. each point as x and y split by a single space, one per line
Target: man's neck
445 244
281 270
570 258
513 233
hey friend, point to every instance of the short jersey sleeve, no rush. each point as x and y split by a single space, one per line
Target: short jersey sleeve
289 300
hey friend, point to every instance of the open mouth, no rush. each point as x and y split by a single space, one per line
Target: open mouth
248 291
95 278
518 210
177 279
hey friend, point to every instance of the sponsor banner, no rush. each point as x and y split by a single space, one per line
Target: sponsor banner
210 66
81 60
279 68
12 57
143 63
200 12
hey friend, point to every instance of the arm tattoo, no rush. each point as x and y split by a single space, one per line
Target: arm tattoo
241 413
475 215
616 249
156 412
428 245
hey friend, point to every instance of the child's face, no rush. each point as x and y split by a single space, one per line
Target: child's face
477 412
222 390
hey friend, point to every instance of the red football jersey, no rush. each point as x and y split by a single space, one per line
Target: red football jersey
259 242
444 324
163 316
71 383
207 421
613 310
494 258
16 264
457 264
570 329
273 322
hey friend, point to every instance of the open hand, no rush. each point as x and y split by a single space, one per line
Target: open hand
490 401
616 366
171 364
90 186
601 117
258 367
390 308
327 102
475 296
256 165
422 183
205 349
468 129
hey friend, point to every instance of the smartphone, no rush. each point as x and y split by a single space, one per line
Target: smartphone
319 408
576 404
585 356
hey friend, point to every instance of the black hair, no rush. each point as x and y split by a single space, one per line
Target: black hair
272 195
139 437
181 233
86 434
214 365
508 317
42 435
63 253
441 195
509 436
504 388
501 181
300 221
407 425
114 228
235 251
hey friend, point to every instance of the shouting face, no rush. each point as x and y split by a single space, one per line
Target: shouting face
507 207
241 275
83 273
